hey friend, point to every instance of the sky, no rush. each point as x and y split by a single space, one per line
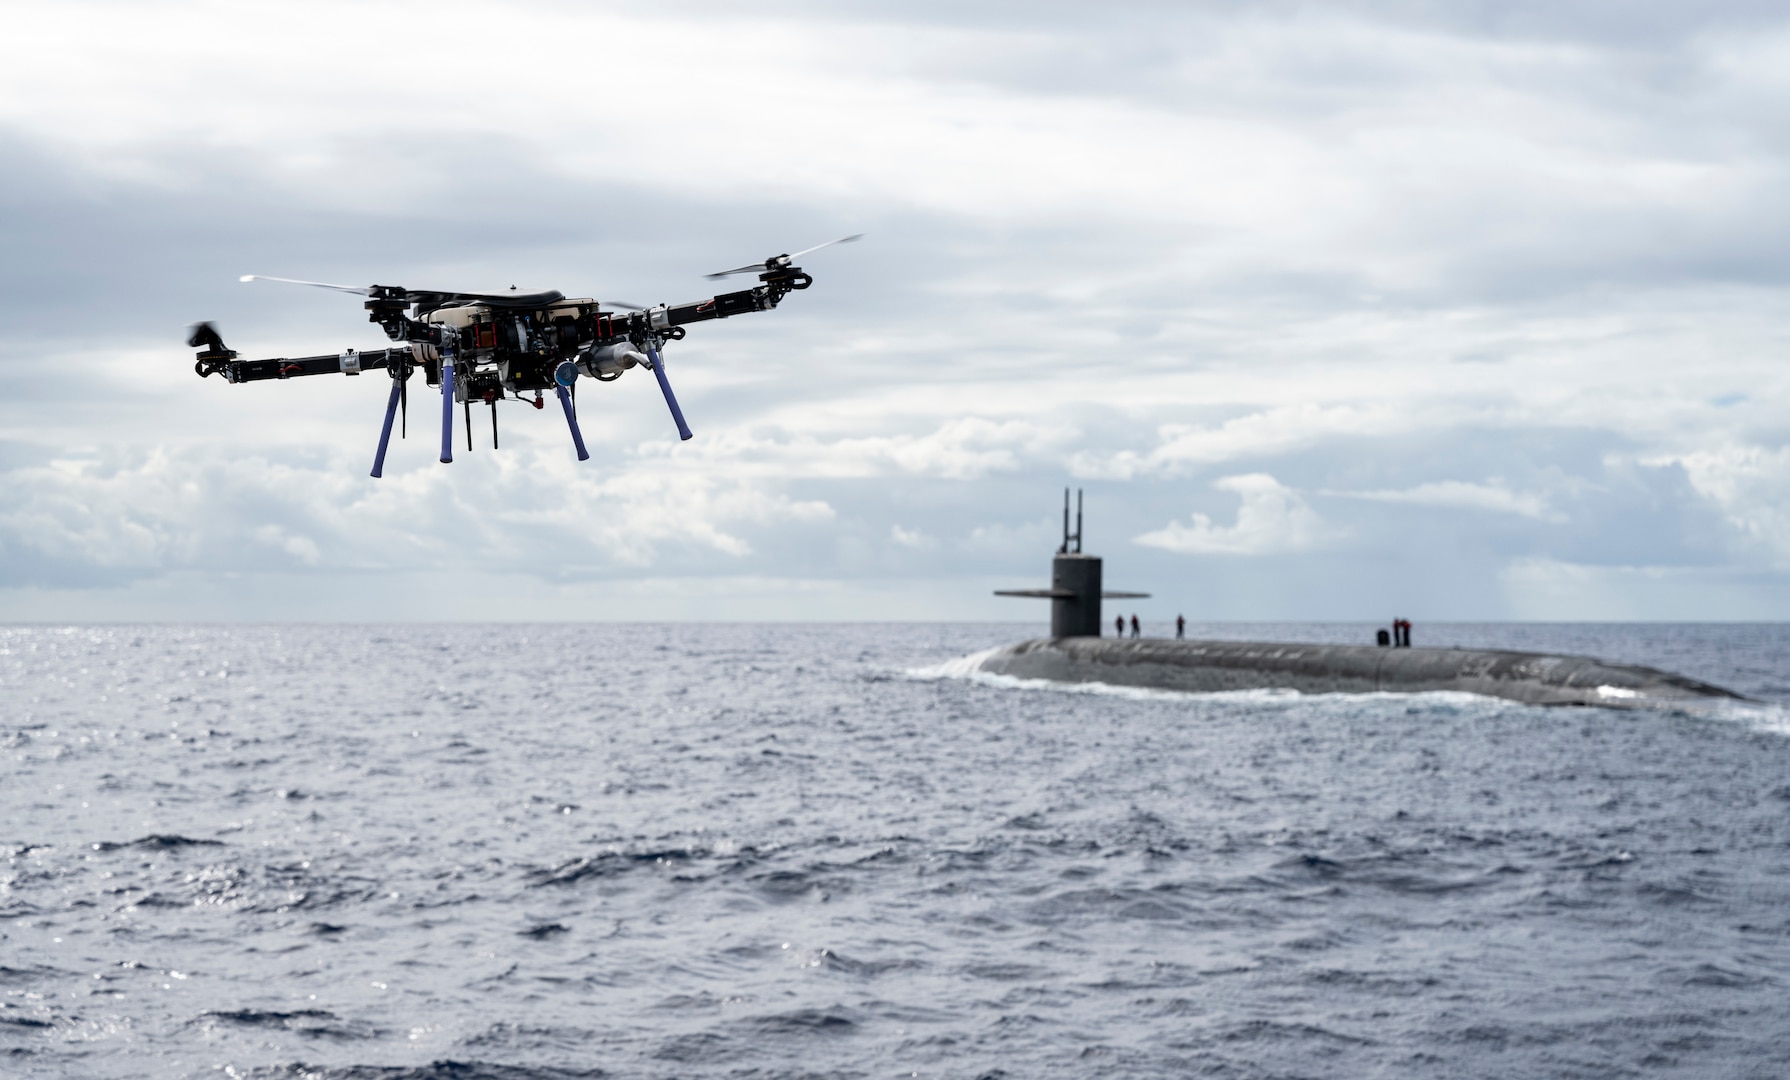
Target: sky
1337 311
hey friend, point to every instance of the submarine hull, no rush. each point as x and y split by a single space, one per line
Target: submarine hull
1209 666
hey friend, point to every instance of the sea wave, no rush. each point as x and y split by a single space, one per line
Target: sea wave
714 851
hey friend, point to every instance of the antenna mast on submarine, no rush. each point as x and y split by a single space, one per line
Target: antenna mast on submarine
1063 549
1077 519
1067 535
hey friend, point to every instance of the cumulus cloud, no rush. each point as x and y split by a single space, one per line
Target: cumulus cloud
87 523
1494 496
912 538
963 448
1273 430
1012 540
1272 519
1750 485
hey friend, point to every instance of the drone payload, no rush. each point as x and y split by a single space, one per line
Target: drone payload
492 347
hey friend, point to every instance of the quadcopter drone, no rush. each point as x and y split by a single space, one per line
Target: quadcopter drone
493 347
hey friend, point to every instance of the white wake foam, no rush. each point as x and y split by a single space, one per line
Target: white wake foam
1769 718
1760 716
969 669
961 667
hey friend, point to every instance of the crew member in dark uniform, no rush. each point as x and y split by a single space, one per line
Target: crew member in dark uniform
1180 628
1134 628
1118 626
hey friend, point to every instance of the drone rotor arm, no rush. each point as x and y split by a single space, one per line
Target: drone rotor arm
350 362
669 317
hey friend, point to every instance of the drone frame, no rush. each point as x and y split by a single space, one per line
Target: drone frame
484 345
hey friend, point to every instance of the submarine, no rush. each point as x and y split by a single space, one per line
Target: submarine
1076 652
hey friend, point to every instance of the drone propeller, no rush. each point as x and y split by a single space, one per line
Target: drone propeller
431 298
782 260
204 335
355 289
854 237
624 305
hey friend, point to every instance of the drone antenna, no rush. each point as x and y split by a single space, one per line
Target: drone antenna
468 419
493 423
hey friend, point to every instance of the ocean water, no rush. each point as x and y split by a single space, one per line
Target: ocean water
824 851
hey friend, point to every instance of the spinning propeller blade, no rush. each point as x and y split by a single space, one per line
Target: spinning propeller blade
842 240
782 260
355 289
205 335
432 297
747 269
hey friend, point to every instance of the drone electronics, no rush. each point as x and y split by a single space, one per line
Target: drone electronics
492 347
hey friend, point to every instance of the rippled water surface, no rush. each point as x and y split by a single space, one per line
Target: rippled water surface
674 851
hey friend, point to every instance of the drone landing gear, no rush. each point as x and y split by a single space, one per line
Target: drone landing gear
398 402
385 433
658 366
564 376
565 402
447 408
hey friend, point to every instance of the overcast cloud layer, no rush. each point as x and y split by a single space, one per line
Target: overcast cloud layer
1336 311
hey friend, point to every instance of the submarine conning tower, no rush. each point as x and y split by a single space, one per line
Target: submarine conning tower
1075 588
